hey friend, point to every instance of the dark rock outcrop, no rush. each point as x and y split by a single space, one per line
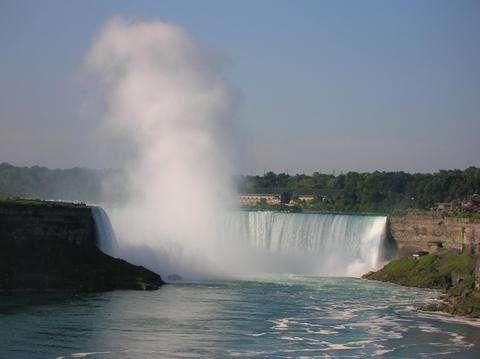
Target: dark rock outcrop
51 246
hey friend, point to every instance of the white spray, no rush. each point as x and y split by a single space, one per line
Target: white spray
165 95
167 98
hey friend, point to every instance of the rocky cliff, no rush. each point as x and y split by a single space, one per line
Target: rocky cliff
430 233
52 246
453 263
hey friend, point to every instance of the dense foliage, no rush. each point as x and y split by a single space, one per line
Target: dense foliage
376 191
353 191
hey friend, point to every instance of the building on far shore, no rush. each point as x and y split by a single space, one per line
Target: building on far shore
306 197
251 199
470 204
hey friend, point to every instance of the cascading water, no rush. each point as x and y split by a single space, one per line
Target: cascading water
269 242
106 238
313 243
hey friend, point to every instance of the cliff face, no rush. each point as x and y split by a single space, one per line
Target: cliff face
429 233
49 246
432 234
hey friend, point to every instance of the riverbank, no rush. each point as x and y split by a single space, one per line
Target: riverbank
452 273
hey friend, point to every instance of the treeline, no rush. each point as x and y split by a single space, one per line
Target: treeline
352 191
75 184
375 191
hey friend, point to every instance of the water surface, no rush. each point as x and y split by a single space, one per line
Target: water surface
268 317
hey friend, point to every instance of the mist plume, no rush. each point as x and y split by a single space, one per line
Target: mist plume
168 100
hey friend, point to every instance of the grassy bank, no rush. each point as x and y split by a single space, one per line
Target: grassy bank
453 273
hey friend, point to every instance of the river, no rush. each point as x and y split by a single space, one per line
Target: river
277 316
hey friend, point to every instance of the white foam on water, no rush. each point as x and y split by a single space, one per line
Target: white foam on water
83 355
281 324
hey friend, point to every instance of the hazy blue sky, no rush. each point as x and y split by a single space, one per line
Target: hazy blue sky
321 85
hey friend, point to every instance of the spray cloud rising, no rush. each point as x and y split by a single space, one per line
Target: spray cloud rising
167 97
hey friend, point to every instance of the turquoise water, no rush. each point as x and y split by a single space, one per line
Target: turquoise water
269 317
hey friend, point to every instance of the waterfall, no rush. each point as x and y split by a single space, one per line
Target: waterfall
106 239
312 243
252 243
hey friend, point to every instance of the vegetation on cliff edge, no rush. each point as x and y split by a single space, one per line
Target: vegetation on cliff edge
352 191
451 272
39 202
